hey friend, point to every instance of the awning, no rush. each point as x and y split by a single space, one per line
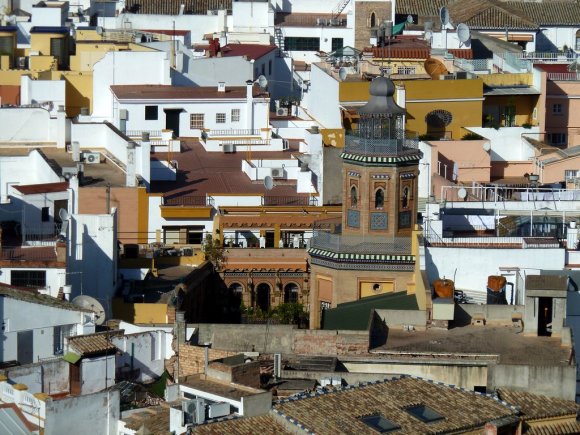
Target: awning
71 357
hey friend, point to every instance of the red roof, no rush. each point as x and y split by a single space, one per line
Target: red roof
411 47
553 67
167 32
167 92
463 53
33 189
252 51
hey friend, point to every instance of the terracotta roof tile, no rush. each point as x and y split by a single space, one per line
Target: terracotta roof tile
154 420
556 428
32 189
263 425
92 344
340 411
34 297
549 13
536 406
171 7
489 14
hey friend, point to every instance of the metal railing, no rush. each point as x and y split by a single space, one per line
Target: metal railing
435 240
189 201
471 65
361 245
564 77
379 147
138 133
289 200
41 235
545 57
233 132
498 193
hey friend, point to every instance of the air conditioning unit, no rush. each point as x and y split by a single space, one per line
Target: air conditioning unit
278 172
193 411
69 171
229 148
282 111
123 114
220 409
92 158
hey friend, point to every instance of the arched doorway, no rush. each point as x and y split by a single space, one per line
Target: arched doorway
263 296
236 291
291 293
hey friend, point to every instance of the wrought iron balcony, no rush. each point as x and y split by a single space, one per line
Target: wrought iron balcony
189 201
356 143
360 245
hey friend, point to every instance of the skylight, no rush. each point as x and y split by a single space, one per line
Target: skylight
380 423
424 413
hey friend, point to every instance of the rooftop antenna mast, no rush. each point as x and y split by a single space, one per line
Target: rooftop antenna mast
444 16
386 31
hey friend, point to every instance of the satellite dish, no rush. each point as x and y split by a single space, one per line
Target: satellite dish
435 68
444 16
428 35
342 73
262 82
463 33
410 19
99 30
63 214
268 182
486 147
90 303
462 193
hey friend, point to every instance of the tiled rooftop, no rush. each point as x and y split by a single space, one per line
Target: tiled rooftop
488 14
223 389
171 7
536 406
555 428
152 420
93 344
549 12
202 172
263 425
36 298
340 411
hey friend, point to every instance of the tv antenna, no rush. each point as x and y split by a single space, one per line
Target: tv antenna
463 34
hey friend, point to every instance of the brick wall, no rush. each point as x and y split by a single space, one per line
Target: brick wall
363 11
192 359
244 374
319 342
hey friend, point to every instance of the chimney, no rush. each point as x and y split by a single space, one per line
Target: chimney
131 175
66 291
221 86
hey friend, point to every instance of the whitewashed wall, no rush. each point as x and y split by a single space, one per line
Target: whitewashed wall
97 373
146 350
41 319
323 98
55 277
126 68
506 142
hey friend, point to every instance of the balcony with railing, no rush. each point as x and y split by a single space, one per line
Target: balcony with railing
564 77
188 201
369 245
503 193
357 142
239 132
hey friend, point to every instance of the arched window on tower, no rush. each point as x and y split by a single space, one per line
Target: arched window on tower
380 198
405 197
353 197
373 20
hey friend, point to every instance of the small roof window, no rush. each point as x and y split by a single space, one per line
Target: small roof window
424 413
380 423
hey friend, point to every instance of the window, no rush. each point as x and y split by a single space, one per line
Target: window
301 44
45 216
196 121
380 423
557 138
28 278
270 67
577 40
379 198
235 115
406 70
405 197
220 118
151 113
353 197
424 413
557 109
373 20
337 43
59 334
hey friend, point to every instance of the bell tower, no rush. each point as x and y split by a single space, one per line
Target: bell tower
380 168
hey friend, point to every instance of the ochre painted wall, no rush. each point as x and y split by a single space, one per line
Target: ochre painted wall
139 313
